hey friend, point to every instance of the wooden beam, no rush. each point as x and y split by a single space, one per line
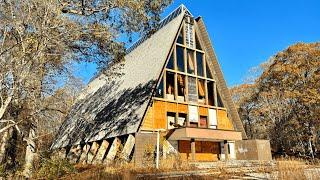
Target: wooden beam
101 152
226 150
193 150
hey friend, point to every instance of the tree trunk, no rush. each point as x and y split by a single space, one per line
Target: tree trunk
4 144
30 152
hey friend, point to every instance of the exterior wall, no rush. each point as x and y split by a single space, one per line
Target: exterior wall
253 150
223 120
205 150
156 116
145 144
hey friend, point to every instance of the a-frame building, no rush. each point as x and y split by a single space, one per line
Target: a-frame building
169 82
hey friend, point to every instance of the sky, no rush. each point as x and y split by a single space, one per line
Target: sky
246 33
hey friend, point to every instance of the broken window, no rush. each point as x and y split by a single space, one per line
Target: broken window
201 91
210 88
190 61
170 85
170 64
200 64
180 37
181 87
171 120
159 92
203 122
182 120
180 58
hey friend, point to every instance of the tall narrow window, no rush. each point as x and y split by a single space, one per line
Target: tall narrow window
201 92
181 87
192 89
180 58
209 75
220 103
170 85
159 92
190 61
210 93
180 37
198 43
189 33
170 64
200 64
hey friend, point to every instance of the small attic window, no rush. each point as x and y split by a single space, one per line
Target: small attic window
180 59
209 75
200 64
190 62
170 86
180 37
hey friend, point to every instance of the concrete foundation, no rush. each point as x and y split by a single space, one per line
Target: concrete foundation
128 148
101 152
253 150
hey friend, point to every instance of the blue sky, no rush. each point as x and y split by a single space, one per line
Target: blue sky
246 33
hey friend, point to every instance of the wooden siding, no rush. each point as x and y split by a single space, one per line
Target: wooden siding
156 116
223 121
205 150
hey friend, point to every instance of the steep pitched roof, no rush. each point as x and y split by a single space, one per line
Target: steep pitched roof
113 104
221 83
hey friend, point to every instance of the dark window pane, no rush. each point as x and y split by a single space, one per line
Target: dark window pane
200 64
220 104
182 120
180 59
170 64
190 61
198 43
209 75
170 85
180 37
171 120
210 93
159 92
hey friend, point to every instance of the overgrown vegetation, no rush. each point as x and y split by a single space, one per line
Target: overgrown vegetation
283 102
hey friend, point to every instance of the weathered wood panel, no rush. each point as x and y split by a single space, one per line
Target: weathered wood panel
223 120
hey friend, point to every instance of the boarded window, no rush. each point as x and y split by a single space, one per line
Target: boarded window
180 59
200 64
192 90
190 62
203 122
189 35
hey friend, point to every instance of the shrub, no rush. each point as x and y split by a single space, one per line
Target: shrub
54 168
